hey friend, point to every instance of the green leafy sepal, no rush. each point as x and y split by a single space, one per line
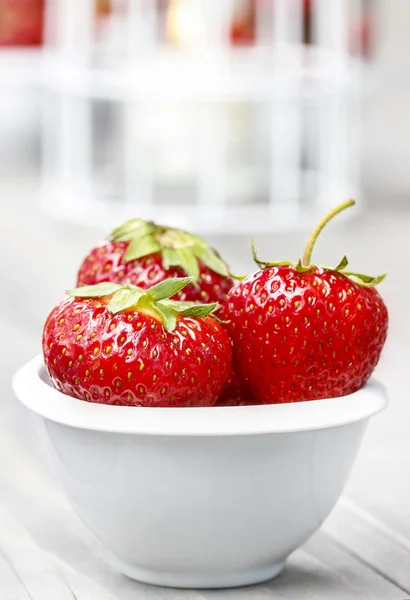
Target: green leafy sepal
156 300
178 248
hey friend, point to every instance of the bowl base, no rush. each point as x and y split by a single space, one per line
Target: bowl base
202 581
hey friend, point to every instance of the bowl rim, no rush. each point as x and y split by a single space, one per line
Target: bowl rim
32 386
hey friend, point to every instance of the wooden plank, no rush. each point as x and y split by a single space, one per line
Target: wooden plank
27 569
382 548
37 574
11 586
351 569
320 570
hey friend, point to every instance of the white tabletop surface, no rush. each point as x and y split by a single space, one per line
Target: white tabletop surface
363 549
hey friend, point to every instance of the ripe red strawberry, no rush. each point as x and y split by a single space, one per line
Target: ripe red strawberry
304 332
143 254
235 393
119 344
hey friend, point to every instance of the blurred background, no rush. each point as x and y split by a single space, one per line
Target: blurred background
222 116
229 117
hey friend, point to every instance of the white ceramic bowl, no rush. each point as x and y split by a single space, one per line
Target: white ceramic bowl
201 497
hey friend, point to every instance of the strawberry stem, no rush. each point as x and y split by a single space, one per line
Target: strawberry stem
307 255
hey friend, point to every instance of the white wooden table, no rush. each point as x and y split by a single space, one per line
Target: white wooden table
362 551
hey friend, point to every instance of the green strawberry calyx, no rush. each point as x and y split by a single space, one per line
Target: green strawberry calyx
304 264
156 301
178 248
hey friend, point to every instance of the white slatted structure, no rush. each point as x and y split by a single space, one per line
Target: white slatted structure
154 111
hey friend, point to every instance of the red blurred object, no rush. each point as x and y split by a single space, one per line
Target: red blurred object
103 8
243 28
361 36
360 30
21 22
307 22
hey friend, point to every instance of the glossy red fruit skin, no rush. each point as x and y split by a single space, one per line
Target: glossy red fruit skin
304 336
106 263
235 393
130 359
